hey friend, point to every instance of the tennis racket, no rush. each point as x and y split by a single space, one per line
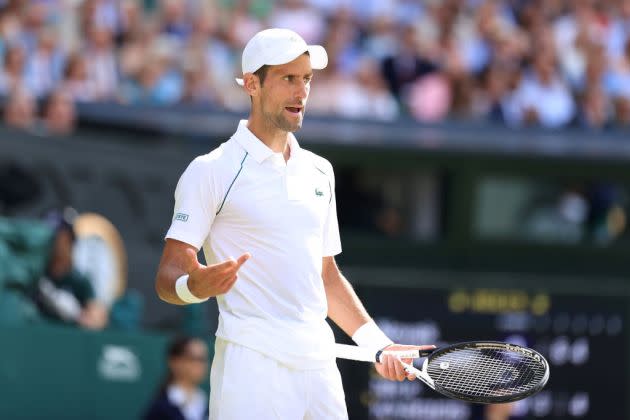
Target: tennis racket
476 371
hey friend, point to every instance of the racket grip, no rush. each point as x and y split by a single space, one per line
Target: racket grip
418 353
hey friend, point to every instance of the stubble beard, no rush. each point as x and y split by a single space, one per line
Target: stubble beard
281 122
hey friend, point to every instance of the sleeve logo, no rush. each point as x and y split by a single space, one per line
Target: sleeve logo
319 192
181 217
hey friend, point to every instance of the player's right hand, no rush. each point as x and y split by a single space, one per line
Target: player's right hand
215 279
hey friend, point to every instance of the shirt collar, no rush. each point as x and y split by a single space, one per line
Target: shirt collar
256 148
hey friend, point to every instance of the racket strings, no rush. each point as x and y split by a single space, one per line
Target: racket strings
486 373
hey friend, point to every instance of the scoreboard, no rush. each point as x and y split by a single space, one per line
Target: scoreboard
584 338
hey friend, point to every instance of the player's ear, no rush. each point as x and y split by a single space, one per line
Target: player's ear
251 82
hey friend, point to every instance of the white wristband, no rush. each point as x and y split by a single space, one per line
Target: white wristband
182 291
370 335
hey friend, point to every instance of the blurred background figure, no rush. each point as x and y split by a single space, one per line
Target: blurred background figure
498 411
20 110
180 397
63 294
58 114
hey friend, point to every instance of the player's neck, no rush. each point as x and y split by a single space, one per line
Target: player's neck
273 137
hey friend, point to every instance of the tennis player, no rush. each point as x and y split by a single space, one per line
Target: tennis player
264 211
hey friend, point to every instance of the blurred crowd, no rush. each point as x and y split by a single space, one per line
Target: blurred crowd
550 63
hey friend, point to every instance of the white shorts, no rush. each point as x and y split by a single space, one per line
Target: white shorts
245 384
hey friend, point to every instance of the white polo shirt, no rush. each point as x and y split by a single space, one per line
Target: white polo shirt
243 197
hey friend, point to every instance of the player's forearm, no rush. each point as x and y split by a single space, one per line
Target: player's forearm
178 259
165 284
344 306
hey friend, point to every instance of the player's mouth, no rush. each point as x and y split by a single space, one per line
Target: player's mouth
294 109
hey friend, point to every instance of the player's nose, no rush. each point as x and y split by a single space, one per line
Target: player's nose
301 91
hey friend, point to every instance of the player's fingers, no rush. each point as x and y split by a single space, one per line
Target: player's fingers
426 347
409 375
241 260
399 370
391 363
228 280
231 269
385 361
227 285
225 265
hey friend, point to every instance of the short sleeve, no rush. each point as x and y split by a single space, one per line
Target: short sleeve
194 203
332 240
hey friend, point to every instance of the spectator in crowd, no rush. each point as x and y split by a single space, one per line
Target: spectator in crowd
595 110
622 111
13 70
542 97
158 81
59 114
179 397
299 16
429 98
76 83
545 55
406 65
45 65
102 63
176 23
20 110
63 294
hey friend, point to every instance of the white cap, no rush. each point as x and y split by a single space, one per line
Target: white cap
279 46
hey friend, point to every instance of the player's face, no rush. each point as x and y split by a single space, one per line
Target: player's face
284 93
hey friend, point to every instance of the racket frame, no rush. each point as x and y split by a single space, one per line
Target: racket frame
370 355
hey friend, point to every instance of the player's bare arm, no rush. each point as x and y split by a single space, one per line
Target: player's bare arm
180 258
347 311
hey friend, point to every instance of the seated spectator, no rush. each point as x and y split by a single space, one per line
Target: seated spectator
175 22
13 70
76 83
59 114
45 65
622 111
198 87
494 87
62 293
361 95
542 97
595 108
156 84
429 98
179 397
20 110
406 65
102 63
298 15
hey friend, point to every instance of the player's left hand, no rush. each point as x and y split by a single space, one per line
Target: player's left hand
391 369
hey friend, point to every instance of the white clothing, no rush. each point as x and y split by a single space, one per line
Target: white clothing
243 197
245 384
552 102
193 407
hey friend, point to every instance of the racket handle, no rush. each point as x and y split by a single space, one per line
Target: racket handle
411 354
364 354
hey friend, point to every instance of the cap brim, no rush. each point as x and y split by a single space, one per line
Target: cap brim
317 54
319 57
